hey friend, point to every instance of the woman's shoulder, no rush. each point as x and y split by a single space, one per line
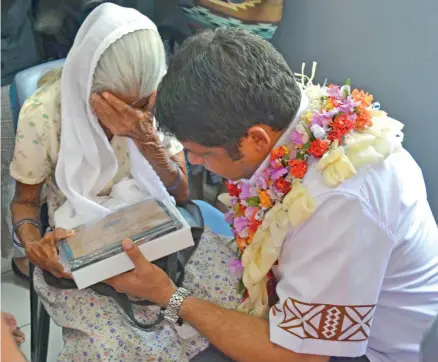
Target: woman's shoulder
42 110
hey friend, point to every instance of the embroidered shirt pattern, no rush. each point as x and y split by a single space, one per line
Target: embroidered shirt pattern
349 323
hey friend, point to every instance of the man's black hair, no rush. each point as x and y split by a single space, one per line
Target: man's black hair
221 83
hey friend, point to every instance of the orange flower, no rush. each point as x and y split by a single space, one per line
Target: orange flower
265 200
241 242
318 148
342 123
298 168
279 152
329 104
363 118
335 135
364 98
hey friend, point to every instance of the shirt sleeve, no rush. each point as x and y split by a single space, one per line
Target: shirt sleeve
330 274
36 144
171 144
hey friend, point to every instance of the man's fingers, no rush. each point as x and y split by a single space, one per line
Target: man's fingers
135 254
112 282
55 273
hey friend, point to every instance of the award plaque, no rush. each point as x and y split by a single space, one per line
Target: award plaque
96 241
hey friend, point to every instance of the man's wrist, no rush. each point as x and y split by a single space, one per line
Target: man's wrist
172 311
165 298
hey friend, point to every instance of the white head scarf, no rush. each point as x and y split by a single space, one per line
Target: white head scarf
86 161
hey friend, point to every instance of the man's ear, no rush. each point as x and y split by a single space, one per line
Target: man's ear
151 100
258 139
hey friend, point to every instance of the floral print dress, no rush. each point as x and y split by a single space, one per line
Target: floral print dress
95 329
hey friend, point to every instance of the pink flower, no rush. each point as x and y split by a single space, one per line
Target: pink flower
262 180
334 91
244 233
275 194
247 191
276 164
348 105
240 223
277 173
229 217
236 267
323 118
250 211
297 138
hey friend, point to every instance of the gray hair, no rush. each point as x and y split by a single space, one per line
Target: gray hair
133 65
220 84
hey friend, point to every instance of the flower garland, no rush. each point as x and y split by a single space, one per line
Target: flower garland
340 130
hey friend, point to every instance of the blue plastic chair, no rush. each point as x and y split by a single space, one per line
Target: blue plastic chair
23 86
429 343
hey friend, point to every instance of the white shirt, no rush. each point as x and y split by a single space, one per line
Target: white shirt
361 275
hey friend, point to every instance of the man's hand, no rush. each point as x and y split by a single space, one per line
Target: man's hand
121 119
44 253
146 281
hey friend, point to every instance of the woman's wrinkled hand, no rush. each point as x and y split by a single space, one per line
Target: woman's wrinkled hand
121 119
44 253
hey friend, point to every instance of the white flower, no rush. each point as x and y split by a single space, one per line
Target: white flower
315 92
345 90
318 131
300 129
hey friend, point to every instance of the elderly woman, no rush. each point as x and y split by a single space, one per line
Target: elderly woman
88 139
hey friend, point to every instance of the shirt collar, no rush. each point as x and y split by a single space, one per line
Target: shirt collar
285 137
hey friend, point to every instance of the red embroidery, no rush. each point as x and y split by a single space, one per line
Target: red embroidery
350 323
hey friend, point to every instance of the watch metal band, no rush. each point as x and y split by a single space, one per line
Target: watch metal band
171 313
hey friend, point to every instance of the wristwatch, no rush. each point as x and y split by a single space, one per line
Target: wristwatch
171 313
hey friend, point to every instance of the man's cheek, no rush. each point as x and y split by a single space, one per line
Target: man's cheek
213 166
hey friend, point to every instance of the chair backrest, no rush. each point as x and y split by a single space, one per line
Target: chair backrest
429 344
25 84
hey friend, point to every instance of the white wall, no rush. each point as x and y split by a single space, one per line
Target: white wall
388 47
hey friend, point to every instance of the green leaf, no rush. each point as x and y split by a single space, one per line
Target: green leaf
32 124
286 159
348 82
253 201
300 156
35 142
241 287
45 116
306 146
